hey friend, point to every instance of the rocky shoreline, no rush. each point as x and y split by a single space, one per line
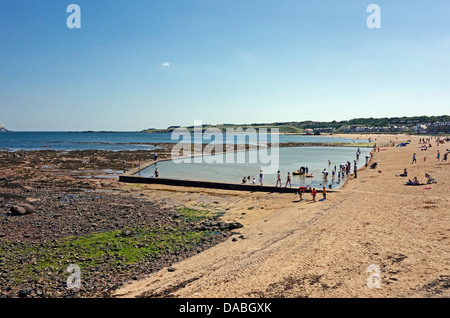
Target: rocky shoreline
52 217
59 208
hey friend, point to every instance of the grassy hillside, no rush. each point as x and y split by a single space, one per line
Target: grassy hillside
298 127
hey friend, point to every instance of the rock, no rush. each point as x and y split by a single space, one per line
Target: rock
22 209
171 269
24 292
234 225
127 233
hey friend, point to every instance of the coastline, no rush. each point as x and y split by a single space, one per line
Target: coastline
285 248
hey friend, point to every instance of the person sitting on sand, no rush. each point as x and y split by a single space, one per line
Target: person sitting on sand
415 181
404 174
244 180
253 181
430 179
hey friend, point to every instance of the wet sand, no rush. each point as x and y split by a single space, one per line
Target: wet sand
290 249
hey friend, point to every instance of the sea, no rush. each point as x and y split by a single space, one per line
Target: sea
122 141
289 159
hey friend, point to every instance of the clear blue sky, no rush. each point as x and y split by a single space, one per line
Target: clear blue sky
140 64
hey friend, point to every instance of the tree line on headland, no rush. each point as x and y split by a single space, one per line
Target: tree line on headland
334 126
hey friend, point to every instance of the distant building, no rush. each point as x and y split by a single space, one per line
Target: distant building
327 130
420 128
439 127
372 129
308 131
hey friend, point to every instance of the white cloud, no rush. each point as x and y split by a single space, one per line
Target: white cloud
166 64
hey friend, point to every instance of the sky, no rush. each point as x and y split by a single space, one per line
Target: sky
151 64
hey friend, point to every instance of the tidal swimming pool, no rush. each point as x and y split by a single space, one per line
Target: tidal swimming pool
220 168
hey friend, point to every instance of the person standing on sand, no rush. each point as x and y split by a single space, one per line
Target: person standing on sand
438 156
156 173
261 177
314 193
155 156
355 169
324 193
414 160
288 180
301 190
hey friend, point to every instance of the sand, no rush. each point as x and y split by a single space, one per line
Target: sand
293 249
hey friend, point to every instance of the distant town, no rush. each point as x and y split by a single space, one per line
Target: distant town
416 125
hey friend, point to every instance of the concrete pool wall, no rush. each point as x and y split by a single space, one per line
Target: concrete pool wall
210 184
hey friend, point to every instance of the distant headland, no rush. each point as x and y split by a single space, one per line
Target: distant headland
416 124
2 128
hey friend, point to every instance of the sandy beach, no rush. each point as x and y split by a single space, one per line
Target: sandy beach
295 249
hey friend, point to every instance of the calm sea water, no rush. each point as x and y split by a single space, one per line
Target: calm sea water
290 159
116 141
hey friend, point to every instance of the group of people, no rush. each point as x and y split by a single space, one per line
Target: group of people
438 156
244 180
302 190
288 179
261 178
414 181
344 170
425 144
